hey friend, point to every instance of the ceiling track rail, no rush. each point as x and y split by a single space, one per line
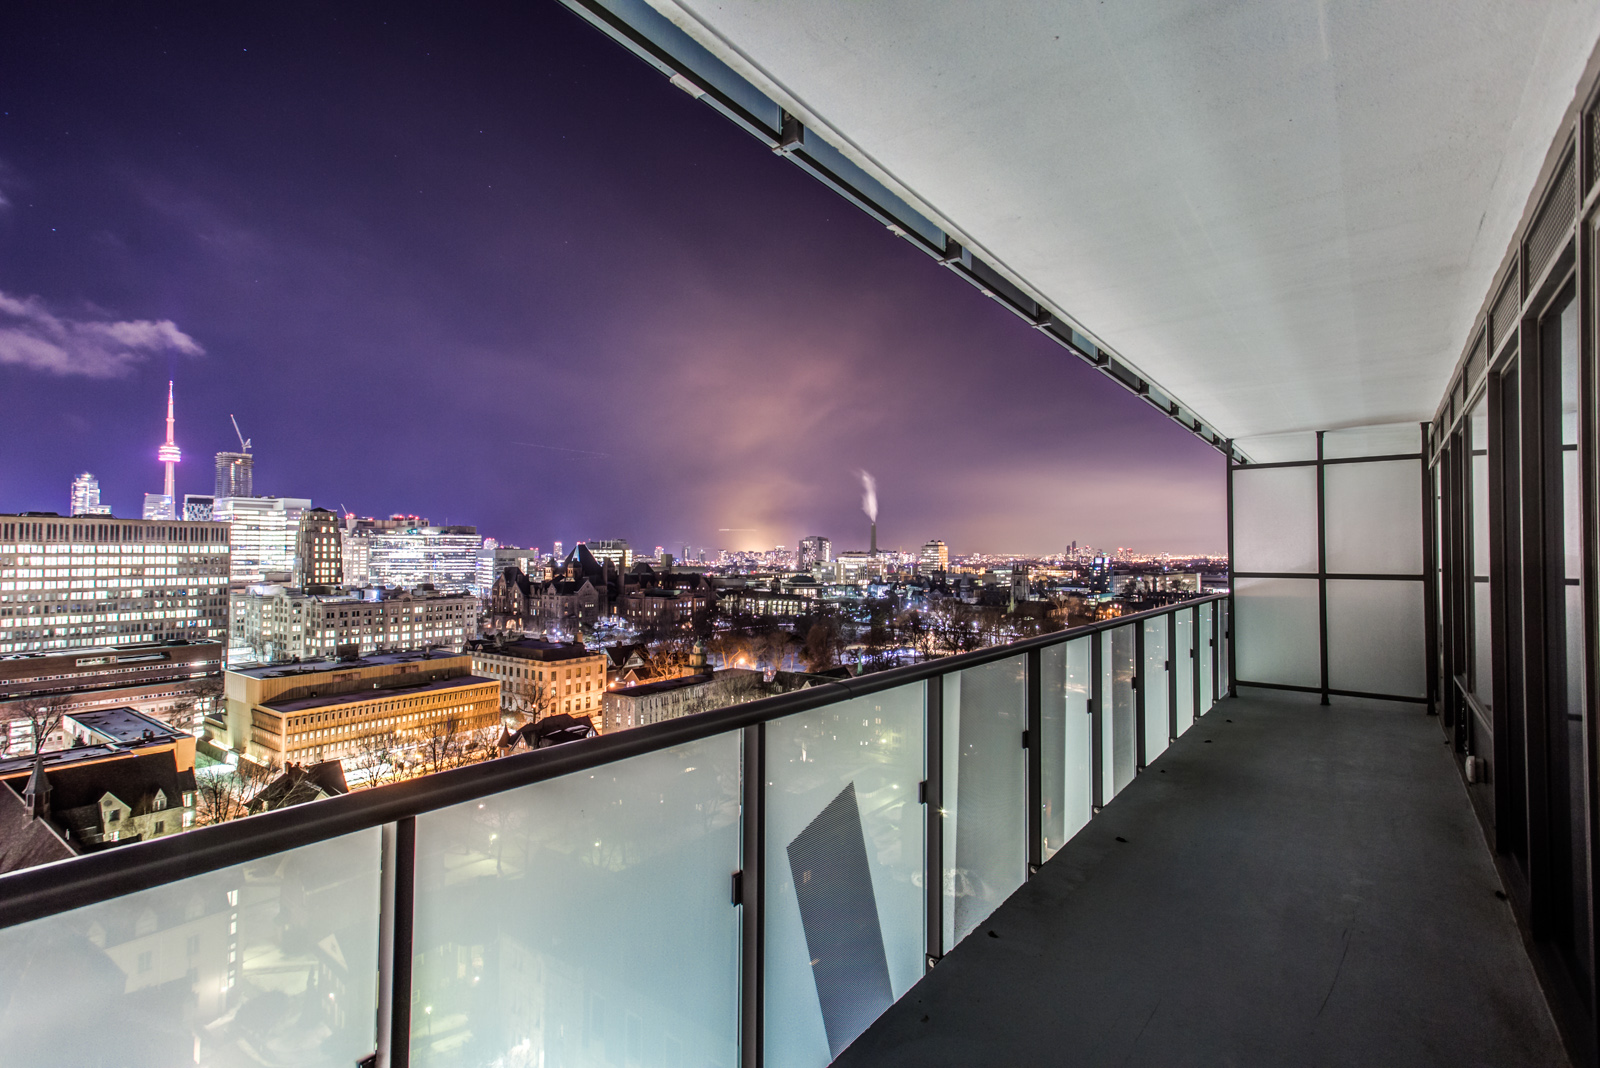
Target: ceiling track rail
691 67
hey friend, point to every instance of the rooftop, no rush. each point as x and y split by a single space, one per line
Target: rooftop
126 725
315 667
533 649
302 704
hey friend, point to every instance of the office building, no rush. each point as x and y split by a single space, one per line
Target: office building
813 551
357 544
337 709
235 475
319 550
86 496
198 506
616 550
264 533
541 678
935 557
174 681
274 623
158 506
443 557
70 583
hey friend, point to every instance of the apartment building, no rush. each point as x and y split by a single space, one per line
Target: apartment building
541 678
277 623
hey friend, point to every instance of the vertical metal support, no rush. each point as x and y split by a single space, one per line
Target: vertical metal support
752 898
1035 761
1194 654
1430 590
1097 720
1589 493
1138 697
1172 677
400 886
386 888
933 876
1536 600
1322 571
1233 611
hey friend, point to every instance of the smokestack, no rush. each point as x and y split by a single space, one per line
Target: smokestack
869 505
874 537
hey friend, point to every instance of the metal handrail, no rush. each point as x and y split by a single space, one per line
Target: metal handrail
60 886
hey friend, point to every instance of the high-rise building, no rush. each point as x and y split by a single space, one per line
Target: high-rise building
235 474
357 542
445 557
66 583
263 532
159 506
319 554
197 506
615 550
556 552
813 551
935 557
86 496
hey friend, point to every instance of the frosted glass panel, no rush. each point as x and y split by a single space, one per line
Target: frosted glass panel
1207 660
1224 642
1376 638
271 962
585 920
1279 448
1155 681
985 792
1277 631
1183 665
1118 729
845 849
1275 519
1374 515
1482 663
1390 439
1067 785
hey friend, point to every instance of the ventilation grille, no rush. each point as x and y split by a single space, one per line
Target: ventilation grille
1503 317
1594 148
1477 360
1550 227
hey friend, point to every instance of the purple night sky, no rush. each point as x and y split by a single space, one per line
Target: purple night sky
489 268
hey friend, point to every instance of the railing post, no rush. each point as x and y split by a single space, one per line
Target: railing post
1138 696
752 898
1194 654
1034 662
1172 677
396 920
933 808
1097 720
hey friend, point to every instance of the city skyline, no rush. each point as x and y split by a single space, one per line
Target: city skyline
515 279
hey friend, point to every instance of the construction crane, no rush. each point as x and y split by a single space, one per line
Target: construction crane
244 444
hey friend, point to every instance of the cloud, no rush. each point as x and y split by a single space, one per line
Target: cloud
31 336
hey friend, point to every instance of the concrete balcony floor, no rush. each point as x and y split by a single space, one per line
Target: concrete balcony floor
1298 886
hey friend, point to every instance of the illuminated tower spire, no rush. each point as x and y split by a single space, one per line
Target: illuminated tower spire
168 454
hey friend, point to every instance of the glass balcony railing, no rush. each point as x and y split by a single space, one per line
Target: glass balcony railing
752 885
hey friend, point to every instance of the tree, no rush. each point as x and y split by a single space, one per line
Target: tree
377 758
43 713
224 796
185 713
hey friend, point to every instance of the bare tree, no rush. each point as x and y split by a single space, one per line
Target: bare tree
43 713
185 713
378 758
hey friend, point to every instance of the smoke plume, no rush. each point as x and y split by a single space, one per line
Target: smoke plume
869 496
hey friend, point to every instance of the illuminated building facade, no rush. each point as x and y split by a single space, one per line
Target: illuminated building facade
616 550
197 506
282 622
935 557
319 553
446 557
264 532
86 496
333 709
540 678
813 551
67 583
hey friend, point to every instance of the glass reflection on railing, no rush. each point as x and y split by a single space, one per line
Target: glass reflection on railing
272 962
585 920
845 896
985 792
1067 741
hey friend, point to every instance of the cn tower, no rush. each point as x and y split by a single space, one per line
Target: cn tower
168 454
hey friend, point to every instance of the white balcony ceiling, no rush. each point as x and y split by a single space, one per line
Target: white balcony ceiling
1285 213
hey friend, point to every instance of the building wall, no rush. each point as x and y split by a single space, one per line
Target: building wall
446 557
263 532
319 552
93 580
282 623
535 688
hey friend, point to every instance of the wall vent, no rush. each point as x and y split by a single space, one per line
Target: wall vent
1550 226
